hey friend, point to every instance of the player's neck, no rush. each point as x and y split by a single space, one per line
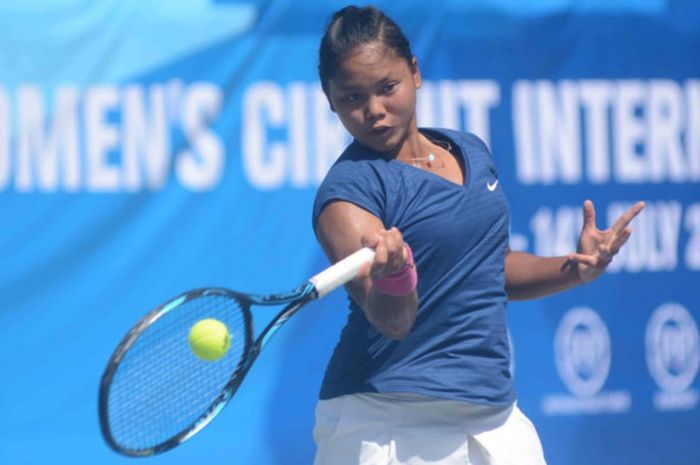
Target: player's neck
413 144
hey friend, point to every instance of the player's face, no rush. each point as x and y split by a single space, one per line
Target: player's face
374 94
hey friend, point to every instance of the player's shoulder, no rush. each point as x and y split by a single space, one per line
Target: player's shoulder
356 161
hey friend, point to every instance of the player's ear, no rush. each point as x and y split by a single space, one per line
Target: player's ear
415 71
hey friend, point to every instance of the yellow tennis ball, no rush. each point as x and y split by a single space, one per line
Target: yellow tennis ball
209 339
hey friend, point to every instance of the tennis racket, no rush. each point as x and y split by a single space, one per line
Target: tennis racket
155 393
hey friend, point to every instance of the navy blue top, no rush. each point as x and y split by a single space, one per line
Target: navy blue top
458 348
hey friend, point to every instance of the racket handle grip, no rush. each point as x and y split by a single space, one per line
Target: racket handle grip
342 272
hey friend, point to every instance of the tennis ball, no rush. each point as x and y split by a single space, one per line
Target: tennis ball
209 339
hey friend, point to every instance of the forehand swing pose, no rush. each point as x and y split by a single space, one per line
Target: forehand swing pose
421 372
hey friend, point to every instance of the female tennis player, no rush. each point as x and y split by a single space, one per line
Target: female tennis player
421 372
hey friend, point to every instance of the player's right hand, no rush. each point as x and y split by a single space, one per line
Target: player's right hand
390 252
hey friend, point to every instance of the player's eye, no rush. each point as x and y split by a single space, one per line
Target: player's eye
389 87
352 98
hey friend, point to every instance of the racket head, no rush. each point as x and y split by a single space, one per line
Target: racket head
155 393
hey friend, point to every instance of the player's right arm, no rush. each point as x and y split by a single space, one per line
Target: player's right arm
342 229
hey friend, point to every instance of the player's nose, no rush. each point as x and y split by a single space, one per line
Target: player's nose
374 109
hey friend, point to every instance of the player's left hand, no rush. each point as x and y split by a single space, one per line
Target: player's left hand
597 248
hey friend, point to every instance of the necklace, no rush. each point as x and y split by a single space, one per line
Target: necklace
431 160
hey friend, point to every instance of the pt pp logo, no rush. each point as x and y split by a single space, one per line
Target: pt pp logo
583 357
673 356
582 351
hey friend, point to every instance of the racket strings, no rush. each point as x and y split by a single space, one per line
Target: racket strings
161 388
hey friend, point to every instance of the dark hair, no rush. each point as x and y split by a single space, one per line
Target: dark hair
353 26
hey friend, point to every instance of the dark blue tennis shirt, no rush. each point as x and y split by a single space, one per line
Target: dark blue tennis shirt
458 348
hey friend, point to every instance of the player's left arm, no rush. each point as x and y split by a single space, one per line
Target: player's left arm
530 276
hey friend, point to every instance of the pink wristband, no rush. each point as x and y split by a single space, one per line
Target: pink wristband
400 283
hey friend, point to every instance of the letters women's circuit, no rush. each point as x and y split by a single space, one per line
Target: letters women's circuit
110 138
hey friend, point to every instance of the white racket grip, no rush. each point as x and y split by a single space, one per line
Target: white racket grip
342 272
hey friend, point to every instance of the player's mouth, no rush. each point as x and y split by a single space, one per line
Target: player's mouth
381 131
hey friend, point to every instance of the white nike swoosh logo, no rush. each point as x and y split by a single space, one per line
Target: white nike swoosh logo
492 187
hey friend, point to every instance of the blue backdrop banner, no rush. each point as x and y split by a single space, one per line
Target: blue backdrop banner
149 147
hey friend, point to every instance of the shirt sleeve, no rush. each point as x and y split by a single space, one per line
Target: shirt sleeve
355 181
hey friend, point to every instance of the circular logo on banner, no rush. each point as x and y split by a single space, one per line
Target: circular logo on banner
582 351
672 348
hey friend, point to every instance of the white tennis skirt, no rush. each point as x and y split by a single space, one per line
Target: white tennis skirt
392 429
